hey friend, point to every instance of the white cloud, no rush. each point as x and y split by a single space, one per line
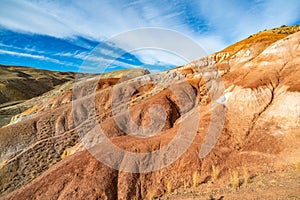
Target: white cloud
213 24
235 20
29 17
96 19
39 57
159 57
12 47
24 55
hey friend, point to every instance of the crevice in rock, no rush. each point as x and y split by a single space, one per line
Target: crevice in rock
256 116
273 89
175 112
116 183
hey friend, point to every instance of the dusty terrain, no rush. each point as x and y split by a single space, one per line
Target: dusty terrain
282 184
241 103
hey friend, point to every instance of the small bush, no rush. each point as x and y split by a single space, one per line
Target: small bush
235 181
215 172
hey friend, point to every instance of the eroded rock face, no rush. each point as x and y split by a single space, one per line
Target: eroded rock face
40 136
260 102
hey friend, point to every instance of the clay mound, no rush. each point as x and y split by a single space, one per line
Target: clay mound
14 111
259 129
41 129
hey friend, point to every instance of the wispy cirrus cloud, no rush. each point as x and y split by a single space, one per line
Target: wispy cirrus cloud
213 24
28 55
34 56
212 20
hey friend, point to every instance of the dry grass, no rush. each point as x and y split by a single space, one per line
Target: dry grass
3 163
246 175
196 179
235 181
185 184
215 172
69 151
169 187
151 195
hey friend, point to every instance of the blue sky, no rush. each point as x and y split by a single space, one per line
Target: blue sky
60 35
